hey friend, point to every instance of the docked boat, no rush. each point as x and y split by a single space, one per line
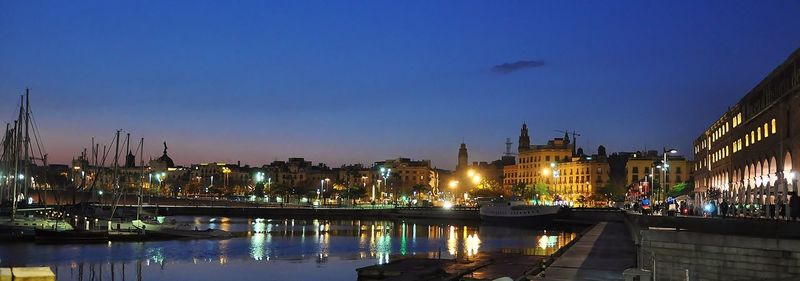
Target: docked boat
172 228
70 236
518 211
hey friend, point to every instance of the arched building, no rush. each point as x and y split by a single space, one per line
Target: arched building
748 155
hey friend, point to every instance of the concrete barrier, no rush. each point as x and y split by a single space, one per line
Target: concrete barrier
706 256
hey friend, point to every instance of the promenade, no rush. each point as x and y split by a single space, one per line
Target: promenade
602 253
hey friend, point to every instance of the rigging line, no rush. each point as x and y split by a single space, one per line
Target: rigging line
37 137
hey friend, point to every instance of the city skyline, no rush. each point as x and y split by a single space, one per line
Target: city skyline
260 83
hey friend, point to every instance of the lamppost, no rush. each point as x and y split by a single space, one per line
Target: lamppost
385 175
328 185
321 186
259 178
556 175
664 168
453 184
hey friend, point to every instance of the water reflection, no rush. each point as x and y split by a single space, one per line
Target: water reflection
285 248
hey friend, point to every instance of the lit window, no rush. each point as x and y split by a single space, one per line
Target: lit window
766 130
746 140
759 133
773 126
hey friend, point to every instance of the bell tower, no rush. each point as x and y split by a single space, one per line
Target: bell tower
463 159
524 139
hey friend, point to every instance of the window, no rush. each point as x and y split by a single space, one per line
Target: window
678 170
766 130
746 140
759 133
774 127
547 158
635 170
633 178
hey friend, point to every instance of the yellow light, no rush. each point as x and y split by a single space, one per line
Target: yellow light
453 183
471 172
545 172
476 179
447 205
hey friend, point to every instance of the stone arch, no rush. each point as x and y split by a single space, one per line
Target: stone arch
788 173
757 173
773 170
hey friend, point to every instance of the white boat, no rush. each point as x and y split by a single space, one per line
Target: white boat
518 211
172 228
34 223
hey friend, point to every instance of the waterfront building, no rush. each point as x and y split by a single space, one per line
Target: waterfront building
748 154
642 170
533 161
300 175
568 173
405 174
579 178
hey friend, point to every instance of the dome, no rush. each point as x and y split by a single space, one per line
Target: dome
165 160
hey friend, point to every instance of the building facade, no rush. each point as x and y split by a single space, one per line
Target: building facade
748 155
569 174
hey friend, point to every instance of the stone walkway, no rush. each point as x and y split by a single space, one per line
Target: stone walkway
601 254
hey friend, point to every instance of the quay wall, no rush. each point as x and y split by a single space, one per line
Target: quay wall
718 256
300 212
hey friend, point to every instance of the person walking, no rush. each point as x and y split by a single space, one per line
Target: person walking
723 208
794 206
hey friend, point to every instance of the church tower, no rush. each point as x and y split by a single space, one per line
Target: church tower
524 139
463 159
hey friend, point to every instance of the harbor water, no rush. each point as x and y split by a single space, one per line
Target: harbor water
281 249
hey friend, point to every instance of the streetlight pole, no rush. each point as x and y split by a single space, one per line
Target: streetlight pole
664 169
385 174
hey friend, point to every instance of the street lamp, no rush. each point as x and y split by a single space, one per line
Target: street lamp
385 175
664 169
453 184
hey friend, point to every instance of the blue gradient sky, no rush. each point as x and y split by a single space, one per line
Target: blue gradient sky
356 82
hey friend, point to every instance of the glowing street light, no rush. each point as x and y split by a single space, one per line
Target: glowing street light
476 179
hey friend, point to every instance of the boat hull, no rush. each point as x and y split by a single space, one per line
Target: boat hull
538 219
70 236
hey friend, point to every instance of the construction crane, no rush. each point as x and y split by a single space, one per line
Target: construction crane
575 136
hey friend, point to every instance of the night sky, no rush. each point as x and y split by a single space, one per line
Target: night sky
357 82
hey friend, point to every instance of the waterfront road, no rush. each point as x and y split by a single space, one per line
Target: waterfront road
603 253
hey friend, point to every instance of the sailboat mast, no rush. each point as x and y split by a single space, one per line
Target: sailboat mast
141 185
5 163
27 177
17 147
116 163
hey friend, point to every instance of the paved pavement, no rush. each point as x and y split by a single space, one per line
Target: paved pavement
601 254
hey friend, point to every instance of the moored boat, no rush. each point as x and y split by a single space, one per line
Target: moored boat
518 211
70 236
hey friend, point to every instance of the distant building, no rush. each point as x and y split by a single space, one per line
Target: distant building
406 173
642 170
568 173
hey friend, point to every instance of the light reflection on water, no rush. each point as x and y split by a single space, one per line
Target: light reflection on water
280 249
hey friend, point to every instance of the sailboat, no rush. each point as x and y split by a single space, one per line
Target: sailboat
17 181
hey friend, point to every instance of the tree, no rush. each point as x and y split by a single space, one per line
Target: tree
612 192
519 189
681 189
354 192
483 192
541 189
420 189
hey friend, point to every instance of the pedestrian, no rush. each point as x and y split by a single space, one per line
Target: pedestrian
794 206
723 208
